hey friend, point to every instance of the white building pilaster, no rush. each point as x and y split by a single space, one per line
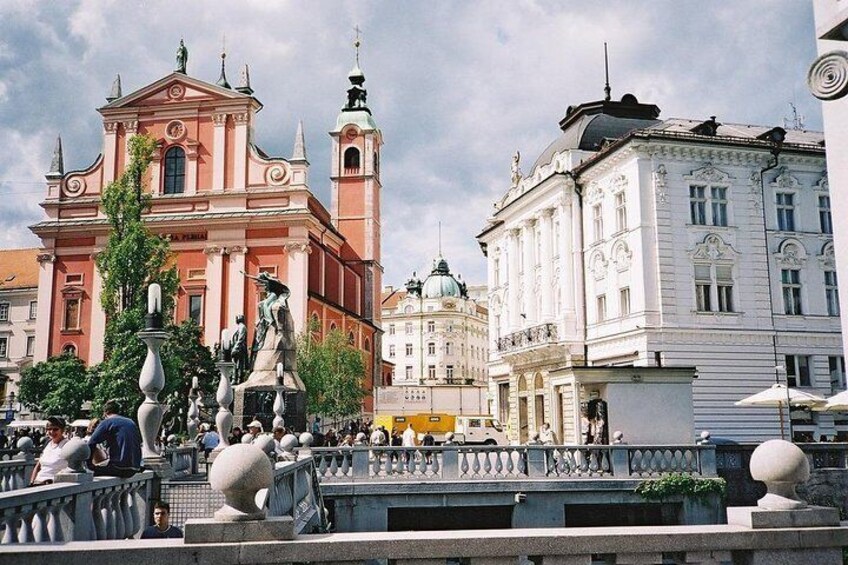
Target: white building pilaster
213 302
236 283
546 264
512 303
529 250
98 316
110 148
219 150
130 129
298 277
240 148
45 306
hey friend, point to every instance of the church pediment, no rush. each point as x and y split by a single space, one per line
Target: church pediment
175 88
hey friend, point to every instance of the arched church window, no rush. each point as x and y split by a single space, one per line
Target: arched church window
69 349
351 159
174 171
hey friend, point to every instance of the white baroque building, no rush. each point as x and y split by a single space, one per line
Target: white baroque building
638 241
435 334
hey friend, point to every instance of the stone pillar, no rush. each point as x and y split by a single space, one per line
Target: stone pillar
110 149
529 250
546 263
219 151
513 303
45 306
236 282
242 121
298 278
98 317
214 300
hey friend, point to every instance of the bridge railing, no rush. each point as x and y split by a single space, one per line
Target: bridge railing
476 463
183 460
103 509
15 473
295 493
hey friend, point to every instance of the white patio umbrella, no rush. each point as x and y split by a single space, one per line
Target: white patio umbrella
836 403
779 395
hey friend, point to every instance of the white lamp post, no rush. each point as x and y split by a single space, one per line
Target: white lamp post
280 399
224 394
152 379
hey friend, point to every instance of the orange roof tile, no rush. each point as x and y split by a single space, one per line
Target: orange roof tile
18 268
390 298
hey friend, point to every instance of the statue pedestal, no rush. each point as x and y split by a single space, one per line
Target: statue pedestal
257 402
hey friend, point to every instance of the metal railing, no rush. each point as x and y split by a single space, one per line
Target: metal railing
474 463
528 337
105 508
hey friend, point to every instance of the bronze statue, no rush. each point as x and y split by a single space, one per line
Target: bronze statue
182 58
239 351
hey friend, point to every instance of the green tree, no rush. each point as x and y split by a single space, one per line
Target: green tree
185 357
132 259
58 386
333 372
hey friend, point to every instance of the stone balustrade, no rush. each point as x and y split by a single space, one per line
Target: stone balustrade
475 463
647 545
15 473
105 508
8 454
183 460
295 493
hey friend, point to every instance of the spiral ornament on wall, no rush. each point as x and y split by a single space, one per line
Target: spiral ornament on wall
277 175
74 186
827 78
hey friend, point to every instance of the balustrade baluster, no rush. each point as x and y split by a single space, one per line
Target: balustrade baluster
475 465
510 466
499 463
39 525
117 505
97 517
399 466
134 513
345 468
463 466
25 535
54 524
109 515
334 466
437 456
126 513
10 535
487 464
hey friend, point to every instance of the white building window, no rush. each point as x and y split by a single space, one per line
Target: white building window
4 311
785 211
602 307
391 351
30 346
791 282
798 370
836 366
431 348
33 309
450 327
718 205
195 308
409 350
4 347
624 302
431 371
598 222
831 293
431 326
697 205
620 211
391 329
408 372
408 328
448 348
714 288
496 274
449 372
71 320
825 219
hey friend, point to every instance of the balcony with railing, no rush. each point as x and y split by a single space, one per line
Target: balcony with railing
534 336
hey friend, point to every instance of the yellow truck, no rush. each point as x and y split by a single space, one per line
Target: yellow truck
470 430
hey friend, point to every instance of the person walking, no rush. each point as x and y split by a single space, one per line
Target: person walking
428 441
161 527
51 460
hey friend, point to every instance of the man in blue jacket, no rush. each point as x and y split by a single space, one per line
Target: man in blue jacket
123 442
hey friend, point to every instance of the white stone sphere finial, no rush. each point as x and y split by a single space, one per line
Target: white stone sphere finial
781 465
76 452
239 472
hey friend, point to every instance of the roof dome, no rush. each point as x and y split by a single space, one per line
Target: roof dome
441 282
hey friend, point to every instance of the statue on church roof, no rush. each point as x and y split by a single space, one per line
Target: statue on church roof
516 170
182 58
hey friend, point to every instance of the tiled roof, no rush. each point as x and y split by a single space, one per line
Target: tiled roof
18 268
390 298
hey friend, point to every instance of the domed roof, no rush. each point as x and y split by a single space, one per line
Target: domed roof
441 282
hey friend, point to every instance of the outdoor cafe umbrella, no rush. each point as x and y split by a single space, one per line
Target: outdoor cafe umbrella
837 403
780 396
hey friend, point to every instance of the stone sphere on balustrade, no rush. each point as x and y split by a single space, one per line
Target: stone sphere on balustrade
288 442
265 443
306 439
239 472
76 452
247 438
25 444
781 465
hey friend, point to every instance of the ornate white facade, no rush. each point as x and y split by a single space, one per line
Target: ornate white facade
435 334
635 241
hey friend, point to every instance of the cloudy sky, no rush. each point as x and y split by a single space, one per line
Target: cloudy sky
456 87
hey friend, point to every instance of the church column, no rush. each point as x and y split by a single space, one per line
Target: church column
219 150
529 250
98 315
236 282
45 306
513 302
546 263
110 148
240 147
213 301
298 281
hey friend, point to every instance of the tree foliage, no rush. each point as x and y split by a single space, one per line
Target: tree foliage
58 386
333 372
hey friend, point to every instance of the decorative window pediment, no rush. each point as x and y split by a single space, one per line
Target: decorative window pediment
791 254
827 258
710 174
595 193
785 179
823 183
713 248
618 183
